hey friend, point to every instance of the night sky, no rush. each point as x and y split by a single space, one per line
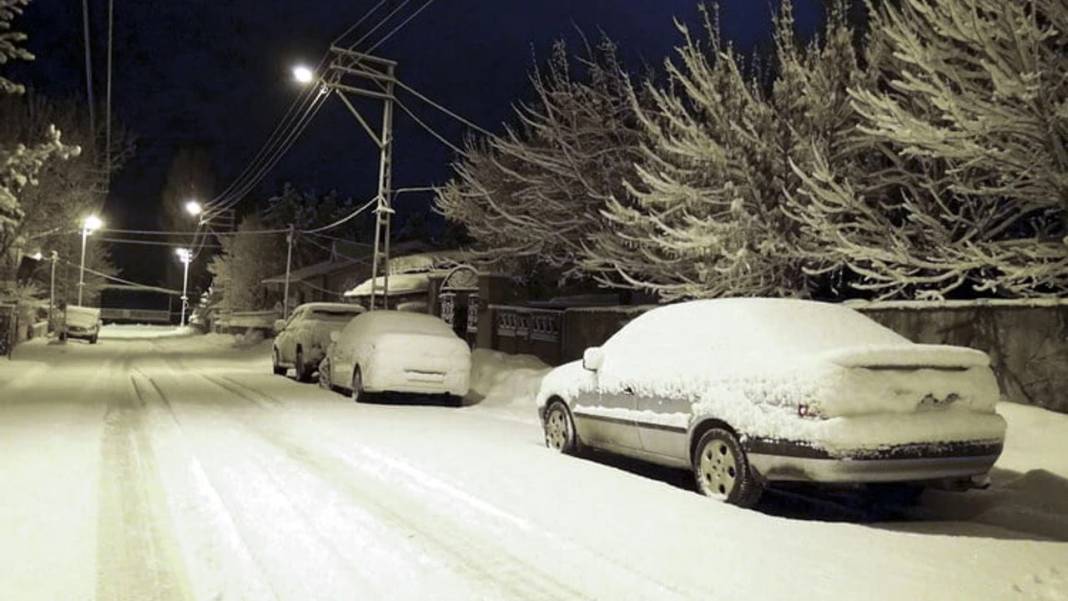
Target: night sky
216 75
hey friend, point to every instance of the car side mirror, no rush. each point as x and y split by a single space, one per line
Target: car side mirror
334 336
279 325
593 358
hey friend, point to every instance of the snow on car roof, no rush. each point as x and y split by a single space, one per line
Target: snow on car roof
404 322
776 325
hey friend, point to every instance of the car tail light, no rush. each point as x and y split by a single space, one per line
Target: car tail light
809 411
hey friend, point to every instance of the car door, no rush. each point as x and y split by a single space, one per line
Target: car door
604 412
287 348
663 424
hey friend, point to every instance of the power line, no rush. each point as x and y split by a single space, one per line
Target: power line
443 109
358 22
116 278
343 220
425 126
380 24
89 70
147 242
401 26
107 116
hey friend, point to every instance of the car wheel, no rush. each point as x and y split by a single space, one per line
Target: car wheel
324 374
92 340
275 367
357 386
301 369
722 469
559 428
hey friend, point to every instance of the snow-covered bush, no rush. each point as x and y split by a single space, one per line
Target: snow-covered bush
960 162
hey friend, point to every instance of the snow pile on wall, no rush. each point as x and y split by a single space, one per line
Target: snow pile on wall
500 379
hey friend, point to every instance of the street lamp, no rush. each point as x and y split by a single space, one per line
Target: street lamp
193 208
185 256
303 74
90 225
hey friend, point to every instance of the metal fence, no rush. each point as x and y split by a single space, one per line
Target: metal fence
8 324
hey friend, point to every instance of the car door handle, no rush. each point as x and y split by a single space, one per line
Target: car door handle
628 390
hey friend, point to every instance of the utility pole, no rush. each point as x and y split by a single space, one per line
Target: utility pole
289 263
52 293
186 257
366 68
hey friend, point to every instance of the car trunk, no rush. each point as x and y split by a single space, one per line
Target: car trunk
419 357
908 378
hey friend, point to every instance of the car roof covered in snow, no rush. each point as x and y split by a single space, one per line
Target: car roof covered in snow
402 322
781 326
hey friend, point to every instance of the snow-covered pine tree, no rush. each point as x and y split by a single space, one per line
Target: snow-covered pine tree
248 259
537 191
962 154
10 42
706 217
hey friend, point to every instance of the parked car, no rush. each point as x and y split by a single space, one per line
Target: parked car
81 322
301 340
745 392
394 351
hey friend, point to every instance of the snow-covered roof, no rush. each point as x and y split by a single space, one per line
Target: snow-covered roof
409 283
426 261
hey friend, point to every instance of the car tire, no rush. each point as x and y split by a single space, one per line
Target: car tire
357 386
275 367
722 470
92 339
300 369
559 428
324 374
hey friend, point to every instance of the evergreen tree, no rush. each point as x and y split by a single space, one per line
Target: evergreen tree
246 260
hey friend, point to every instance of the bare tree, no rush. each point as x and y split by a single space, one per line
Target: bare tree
707 215
538 190
960 177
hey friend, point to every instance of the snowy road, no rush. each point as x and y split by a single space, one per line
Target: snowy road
178 468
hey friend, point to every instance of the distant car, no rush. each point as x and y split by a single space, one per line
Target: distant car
301 340
394 351
81 322
750 391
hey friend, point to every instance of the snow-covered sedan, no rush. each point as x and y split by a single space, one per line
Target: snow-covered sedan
301 340
395 351
750 391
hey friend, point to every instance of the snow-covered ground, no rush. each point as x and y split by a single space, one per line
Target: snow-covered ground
177 467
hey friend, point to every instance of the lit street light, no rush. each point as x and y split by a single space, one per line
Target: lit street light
185 256
193 208
90 225
303 74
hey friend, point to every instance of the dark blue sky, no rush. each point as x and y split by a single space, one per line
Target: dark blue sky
215 74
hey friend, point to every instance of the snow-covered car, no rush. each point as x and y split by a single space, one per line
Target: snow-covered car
394 351
301 340
81 322
750 391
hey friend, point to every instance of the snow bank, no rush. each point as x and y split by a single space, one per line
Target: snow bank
1029 483
142 331
500 379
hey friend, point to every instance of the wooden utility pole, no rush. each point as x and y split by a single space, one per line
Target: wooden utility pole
289 264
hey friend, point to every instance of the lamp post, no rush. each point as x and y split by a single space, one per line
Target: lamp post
185 256
91 224
193 208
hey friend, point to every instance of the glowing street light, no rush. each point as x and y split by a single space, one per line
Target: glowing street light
90 225
303 74
186 257
193 208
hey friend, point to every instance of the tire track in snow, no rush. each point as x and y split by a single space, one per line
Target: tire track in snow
445 535
481 561
137 558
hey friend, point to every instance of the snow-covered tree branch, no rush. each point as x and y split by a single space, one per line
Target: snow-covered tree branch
960 175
